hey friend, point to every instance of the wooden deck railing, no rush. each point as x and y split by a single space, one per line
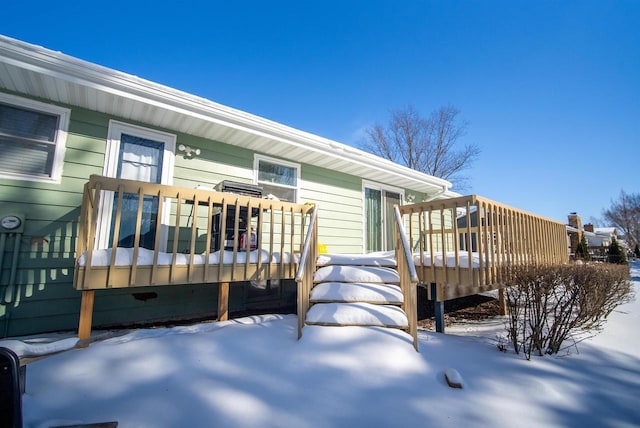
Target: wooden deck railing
464 244
185 238
134 234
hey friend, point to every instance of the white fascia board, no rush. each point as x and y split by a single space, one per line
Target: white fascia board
76 71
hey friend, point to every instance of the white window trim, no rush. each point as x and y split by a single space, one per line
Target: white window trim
375 186
116 129
256 160
61 136
110 169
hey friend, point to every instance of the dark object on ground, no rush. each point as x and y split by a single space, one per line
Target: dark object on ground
453 378
10 396
95 425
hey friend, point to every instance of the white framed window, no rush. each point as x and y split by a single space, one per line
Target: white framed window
32 139
277 177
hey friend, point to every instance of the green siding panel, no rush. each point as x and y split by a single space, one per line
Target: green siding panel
339 198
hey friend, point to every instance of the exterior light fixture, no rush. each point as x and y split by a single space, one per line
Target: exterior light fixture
188 151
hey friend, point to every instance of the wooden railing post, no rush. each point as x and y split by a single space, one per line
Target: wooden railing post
223 301
502 302
86 314
306 269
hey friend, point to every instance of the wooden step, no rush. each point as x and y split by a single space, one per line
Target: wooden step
384 275
357 292
357 314
386 259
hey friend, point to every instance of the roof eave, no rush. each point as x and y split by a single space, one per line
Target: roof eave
79 72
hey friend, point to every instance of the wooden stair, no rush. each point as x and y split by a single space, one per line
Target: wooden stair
353 290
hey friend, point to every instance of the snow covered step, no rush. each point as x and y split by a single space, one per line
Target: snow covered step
357 292
360 314
357 274
386 258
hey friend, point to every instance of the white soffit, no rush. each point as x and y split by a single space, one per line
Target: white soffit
42 73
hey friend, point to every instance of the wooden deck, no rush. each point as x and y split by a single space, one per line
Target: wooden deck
459 246
199 236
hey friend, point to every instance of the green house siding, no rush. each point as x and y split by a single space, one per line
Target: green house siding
42 297
339 197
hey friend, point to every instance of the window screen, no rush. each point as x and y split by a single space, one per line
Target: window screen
29 143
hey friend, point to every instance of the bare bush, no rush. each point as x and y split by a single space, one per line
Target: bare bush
549 304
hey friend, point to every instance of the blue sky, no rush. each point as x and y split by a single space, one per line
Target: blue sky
551 89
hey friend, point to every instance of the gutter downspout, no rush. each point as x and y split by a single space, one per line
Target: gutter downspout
435 195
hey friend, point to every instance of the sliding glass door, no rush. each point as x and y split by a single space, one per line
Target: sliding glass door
379 229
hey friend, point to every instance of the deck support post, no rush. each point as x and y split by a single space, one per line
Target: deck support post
439 314
502 302
438 308
223 301
86 314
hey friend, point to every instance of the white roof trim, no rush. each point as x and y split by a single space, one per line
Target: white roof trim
88 75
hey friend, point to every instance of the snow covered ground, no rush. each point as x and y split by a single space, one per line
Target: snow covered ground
252 372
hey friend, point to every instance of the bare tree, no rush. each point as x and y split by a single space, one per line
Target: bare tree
429 145
624 214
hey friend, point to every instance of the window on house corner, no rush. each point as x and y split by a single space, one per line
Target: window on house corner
32 139
278 178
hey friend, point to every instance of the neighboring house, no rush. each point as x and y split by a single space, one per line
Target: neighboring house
604 236
63 119
598 238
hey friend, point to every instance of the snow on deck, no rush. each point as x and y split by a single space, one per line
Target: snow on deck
124 257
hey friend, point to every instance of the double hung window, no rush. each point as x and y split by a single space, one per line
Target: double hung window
32 139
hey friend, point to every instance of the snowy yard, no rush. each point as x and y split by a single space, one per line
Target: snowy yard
252 372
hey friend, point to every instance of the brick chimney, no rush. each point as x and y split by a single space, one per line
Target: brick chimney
588 227
575 221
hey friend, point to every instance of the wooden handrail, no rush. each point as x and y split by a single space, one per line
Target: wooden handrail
307 244
306 269
408 276
404 242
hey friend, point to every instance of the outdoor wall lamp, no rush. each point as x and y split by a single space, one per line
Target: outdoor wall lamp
188 151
